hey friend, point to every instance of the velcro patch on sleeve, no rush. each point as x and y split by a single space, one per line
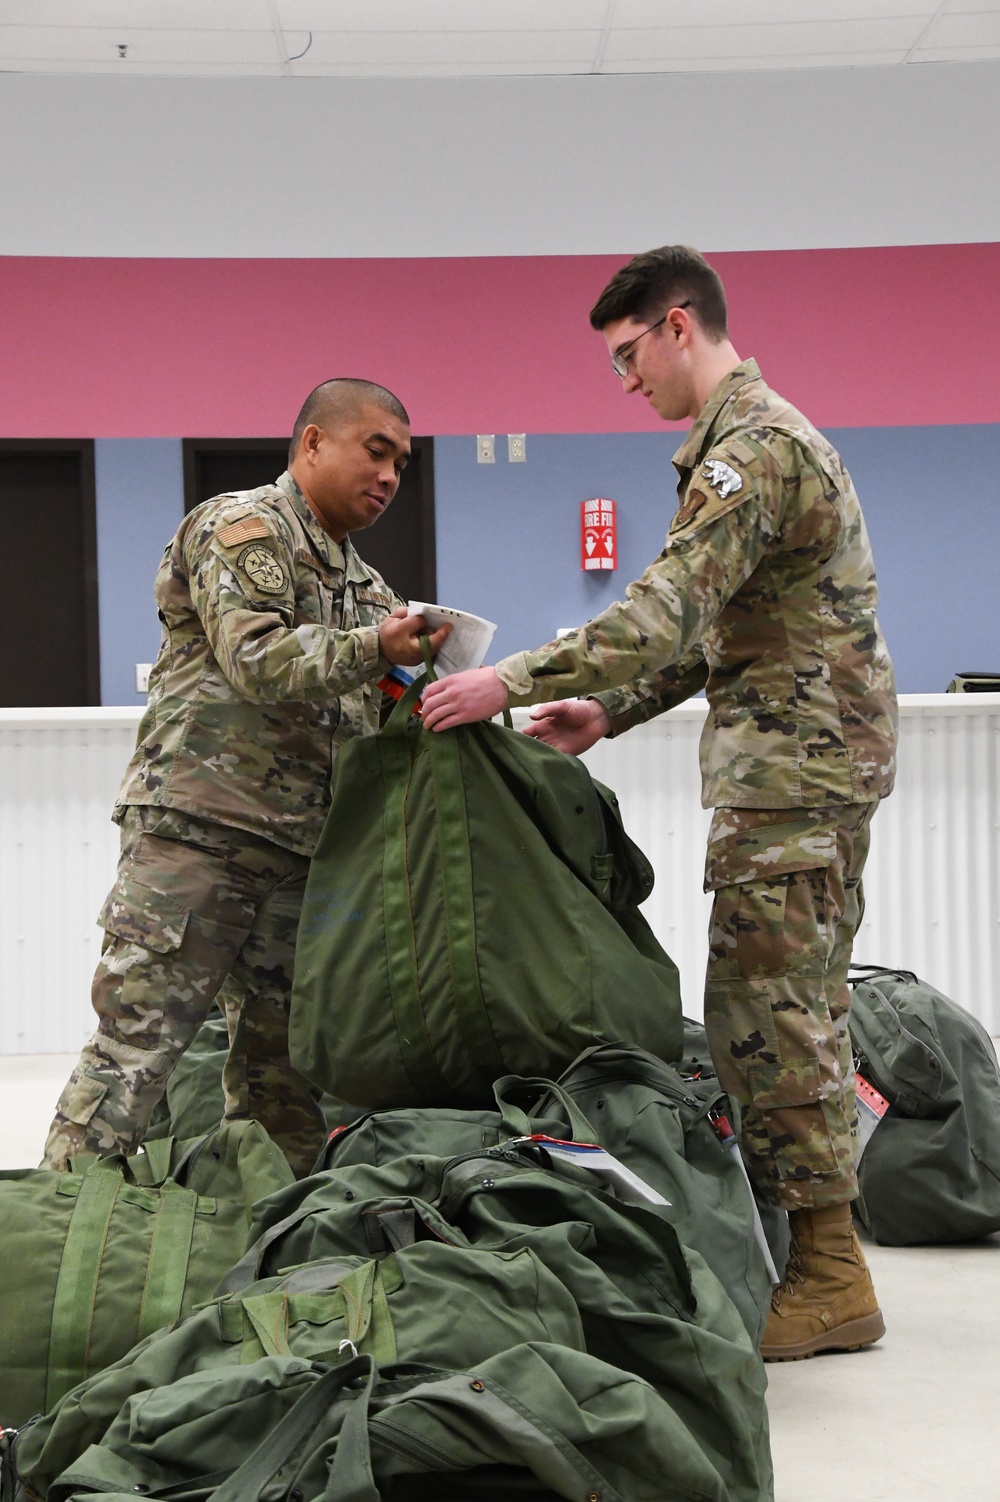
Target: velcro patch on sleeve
244 530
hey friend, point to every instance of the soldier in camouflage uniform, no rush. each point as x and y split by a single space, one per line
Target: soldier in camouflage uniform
275 635
765 596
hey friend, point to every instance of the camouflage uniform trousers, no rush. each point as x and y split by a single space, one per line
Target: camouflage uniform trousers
195 905
787 903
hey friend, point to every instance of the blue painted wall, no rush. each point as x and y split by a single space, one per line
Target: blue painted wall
140 504
931 498
508 535
509 543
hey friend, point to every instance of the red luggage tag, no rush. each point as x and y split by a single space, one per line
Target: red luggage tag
871 1108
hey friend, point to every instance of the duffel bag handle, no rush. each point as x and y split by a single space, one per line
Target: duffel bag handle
399 719
353 1381
517 1120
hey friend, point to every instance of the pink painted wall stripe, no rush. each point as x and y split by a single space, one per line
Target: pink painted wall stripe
161 348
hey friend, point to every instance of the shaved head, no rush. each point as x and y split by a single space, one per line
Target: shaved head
337 401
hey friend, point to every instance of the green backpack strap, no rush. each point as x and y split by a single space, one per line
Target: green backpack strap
79 1271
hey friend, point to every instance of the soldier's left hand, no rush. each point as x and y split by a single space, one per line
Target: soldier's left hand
463 697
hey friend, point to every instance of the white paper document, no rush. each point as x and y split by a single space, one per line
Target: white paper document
468 642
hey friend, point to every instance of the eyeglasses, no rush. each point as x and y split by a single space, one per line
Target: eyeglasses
621 357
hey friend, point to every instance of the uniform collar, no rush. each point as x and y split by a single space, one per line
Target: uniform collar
696 442
339 555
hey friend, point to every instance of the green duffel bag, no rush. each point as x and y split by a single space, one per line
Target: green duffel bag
656 1121
647 1304
471 911
429 1302
100 1257
538 1421
930 1167
194 1101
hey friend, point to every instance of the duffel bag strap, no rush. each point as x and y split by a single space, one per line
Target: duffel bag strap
79 1271
247 1269
158 1154
353 1381
425 647
520 1124
169 1254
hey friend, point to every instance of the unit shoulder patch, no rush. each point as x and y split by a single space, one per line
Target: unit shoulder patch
263 568
243 530
722 477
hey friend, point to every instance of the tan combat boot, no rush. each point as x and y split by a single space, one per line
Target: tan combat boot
827 1302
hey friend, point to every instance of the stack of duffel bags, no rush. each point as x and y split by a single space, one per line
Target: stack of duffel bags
499 1285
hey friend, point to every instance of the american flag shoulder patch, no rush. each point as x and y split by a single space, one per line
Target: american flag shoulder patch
245 530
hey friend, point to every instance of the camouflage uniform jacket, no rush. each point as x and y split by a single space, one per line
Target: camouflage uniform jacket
268 662
765 596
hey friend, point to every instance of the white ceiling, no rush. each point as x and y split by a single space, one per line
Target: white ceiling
417 38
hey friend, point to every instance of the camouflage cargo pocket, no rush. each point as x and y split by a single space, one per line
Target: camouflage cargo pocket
141 915
791 1100
753 844
81 1099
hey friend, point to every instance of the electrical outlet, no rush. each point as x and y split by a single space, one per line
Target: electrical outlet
142 672
486 448
516 451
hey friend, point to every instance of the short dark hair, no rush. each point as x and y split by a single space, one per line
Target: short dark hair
661 279
341 396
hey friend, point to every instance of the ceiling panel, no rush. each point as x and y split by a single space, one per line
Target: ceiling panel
452 47
777 41
474 37
99 43
955 54
750 64
168 15
765 12
442 15
968 30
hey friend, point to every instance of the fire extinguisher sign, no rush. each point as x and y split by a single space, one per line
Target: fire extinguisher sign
598 534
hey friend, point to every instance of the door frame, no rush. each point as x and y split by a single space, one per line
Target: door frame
91 624
193 448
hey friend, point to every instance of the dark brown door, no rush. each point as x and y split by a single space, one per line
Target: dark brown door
401 543
48 604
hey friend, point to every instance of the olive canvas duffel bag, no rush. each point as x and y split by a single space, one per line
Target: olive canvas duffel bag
536 1420
97 1258
929 1105
471 911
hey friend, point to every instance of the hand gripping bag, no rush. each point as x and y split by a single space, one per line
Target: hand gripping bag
471 911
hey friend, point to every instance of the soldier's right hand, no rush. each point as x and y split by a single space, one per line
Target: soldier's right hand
572 725
399 638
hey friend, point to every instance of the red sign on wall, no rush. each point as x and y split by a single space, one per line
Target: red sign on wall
598 534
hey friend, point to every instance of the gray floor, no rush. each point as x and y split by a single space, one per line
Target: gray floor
909 1420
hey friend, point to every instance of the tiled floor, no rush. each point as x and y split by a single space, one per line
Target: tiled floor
912 1419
